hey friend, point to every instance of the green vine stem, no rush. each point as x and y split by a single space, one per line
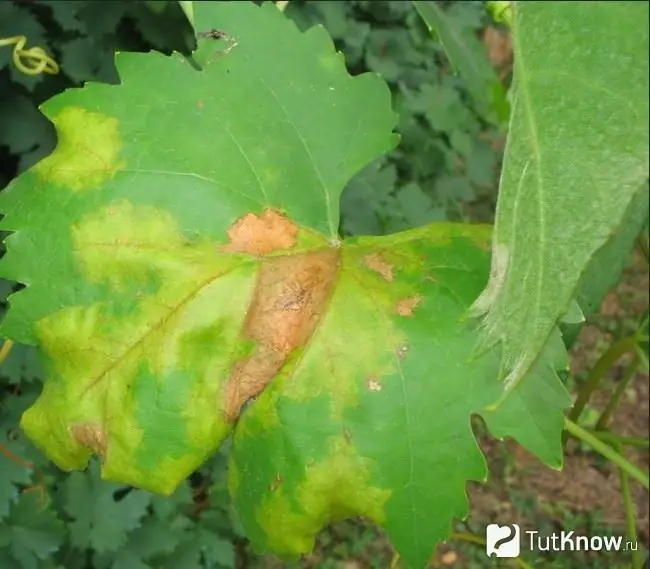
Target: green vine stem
630 516
644 243
614 400
607 360
643 358
607 451
33 61
614 439
6 348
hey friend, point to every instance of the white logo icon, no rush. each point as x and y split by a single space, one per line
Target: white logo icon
502 541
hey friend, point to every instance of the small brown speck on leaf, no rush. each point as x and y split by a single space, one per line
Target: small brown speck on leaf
376 262
91 436
406 306
373 384
290 297
276 482
260 235
347 435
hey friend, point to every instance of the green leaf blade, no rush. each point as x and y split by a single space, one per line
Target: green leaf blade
372 421
577 154
134 212
184 278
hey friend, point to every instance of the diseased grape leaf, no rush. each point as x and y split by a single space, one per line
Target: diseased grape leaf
184 277
373 418
577 154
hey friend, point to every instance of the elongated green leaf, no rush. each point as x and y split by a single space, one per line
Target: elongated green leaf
184 279
576 155
607 265
468 57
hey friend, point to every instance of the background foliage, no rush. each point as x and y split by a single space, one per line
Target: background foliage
83 37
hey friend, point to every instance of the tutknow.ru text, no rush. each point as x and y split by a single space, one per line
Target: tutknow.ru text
568 541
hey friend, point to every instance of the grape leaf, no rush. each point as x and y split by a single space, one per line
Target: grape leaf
374 416
16 453
576 155
116 237
606 266
33 533
13 470
154 538
22 365
101 522
195 283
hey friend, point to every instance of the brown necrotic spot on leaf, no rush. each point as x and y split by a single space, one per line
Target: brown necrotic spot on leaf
290 296
92 436
377 263
406 306
260 235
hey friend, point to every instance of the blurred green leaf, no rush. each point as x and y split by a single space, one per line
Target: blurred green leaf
32 532
468 57
607 265
577 155
101 521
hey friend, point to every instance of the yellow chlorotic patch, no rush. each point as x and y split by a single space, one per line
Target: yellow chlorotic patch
361 351
122 244
80 351
182 331
333 489
87 153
